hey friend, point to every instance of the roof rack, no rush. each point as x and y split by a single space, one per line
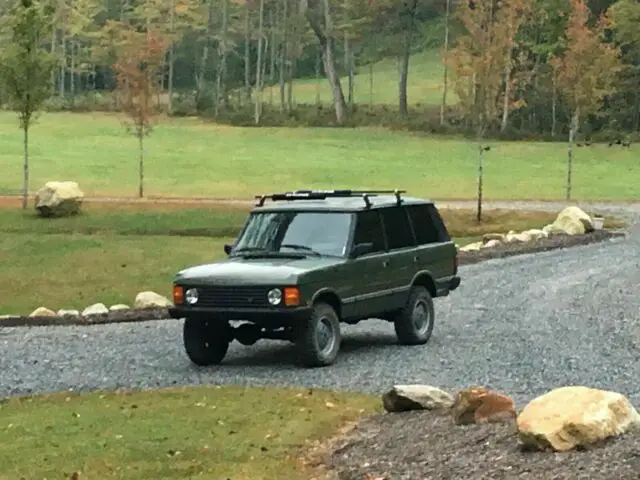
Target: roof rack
324 194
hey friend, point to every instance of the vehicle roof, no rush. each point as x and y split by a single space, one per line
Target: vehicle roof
339 204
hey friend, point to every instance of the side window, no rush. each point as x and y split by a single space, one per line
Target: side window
397 228
369 229
427 224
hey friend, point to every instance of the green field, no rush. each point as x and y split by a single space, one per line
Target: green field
200 432
187 157
424 85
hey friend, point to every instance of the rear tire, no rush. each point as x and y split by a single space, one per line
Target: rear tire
206 342
414 323
318 339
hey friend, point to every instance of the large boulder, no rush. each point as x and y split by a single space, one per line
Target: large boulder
151 300
402 398
570 417
481 405
59 199
573 221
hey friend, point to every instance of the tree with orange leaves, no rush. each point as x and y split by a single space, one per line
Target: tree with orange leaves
138 67
586 71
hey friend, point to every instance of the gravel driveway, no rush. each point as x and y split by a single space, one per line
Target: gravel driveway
523 325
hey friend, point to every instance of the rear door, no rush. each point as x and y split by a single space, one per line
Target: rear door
403 258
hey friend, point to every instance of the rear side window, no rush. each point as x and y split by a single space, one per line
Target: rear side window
369 229
427 224
397 228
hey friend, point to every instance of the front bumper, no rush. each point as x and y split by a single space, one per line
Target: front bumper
260 316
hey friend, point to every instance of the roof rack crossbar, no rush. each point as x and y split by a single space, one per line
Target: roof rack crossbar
324 194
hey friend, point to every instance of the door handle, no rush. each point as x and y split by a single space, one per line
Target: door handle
415 259
385 263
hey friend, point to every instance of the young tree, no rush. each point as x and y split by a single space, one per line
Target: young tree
585 73
138 68
26 69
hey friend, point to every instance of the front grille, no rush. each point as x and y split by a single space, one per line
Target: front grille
232 297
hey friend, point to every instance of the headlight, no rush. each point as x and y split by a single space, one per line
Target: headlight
191 296
274 296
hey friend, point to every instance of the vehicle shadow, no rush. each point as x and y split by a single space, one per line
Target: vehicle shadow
274 353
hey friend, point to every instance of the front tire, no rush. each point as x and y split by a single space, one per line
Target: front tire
414 323
206 342
318 339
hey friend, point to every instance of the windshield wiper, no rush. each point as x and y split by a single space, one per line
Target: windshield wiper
295 246
250 249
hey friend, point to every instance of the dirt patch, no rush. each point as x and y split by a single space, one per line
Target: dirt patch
552 242
425 445
117 316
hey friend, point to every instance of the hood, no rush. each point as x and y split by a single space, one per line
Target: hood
254 271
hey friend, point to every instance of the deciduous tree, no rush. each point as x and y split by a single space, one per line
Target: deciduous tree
139 65
26 69
585 72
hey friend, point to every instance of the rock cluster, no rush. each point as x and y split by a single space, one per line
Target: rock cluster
570 221
562 419
142 300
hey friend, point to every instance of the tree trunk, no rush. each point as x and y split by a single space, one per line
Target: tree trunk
554 101
222 56
575 122
290 75
63 65
404 64
348 68
72 72
445 73
258 89
205 50
326 42
505 102
283 56
25 167
272 51
317 74
247 52
141 166
171 58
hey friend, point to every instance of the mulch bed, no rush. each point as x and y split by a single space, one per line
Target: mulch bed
552 242
422 445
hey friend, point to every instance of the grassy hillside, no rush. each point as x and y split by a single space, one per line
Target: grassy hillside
187 157
424 85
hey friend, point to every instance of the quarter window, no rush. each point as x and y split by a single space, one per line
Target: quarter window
397 228
423 225
369 229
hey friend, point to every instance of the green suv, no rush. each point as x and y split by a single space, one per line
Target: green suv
307 261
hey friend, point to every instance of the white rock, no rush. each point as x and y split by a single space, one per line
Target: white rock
119 306
68 313
492 243
95 309
151 300
471 247
59 199
535 234
42 312
574 221
569 417
416 397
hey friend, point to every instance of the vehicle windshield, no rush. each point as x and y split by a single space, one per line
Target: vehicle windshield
307 233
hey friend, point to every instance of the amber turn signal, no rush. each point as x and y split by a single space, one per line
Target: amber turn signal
178 294
291 296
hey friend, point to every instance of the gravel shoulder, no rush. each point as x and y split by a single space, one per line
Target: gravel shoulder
523 324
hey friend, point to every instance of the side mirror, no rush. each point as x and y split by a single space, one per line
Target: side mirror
227 248
361 249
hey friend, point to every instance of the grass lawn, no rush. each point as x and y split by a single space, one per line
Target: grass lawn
204 432
424 84
111 252
186 157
